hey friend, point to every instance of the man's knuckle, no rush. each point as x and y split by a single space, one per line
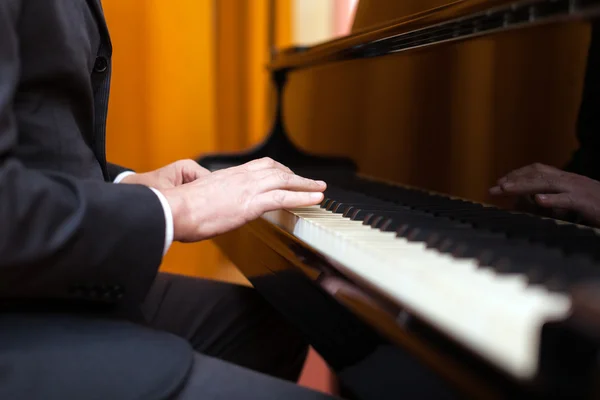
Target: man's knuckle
540 167
284 177
251 177
279 197
268 162
244 198
249 208
549 181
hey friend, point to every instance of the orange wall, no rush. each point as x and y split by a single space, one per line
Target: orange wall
242 37
127 122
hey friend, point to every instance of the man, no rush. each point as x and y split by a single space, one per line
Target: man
573 193
84 313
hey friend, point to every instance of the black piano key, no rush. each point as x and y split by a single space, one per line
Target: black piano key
579 269
346 207
326 202
557 283
377 221
368 218
417 234
537 274
337 205
417 219
463 242
539 231
432 236
392 221
343 200
340 205
340 208
331 204
359 214
537 263
449 206
350 211
389 225
507 242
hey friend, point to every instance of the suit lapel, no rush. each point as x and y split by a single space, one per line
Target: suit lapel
96 7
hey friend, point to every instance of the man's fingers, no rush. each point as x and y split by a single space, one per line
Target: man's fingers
191 170
279 199
278 179
496 190
534 181
529 170
559 200
585 206
529 185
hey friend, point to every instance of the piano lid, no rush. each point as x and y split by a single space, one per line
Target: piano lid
371 14
459 20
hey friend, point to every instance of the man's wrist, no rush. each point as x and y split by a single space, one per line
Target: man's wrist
122 176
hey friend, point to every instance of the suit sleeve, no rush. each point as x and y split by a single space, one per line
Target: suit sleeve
64 238
114 170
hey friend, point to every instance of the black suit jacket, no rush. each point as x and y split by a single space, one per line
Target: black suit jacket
69 239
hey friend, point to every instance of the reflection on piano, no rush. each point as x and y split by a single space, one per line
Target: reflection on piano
394 283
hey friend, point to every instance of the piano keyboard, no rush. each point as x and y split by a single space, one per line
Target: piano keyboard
487 278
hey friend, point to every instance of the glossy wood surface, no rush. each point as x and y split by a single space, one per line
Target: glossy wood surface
511 14
451 118
394 24
373 13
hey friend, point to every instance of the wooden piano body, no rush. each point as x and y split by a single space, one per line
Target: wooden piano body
446 99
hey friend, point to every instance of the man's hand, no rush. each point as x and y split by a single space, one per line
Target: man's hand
554 189
170 176
226 199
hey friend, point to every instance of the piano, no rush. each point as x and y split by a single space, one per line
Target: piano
408 279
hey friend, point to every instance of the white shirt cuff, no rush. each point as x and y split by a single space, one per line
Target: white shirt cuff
122 175
166 209
168 220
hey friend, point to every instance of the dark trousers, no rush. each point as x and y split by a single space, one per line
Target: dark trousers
244 349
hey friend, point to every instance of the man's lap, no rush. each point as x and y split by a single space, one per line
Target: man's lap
238 338
226 321
226 324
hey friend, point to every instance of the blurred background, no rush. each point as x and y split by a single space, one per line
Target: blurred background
189 77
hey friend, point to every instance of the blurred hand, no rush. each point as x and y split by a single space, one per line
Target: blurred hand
226 199
170 176
554 189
